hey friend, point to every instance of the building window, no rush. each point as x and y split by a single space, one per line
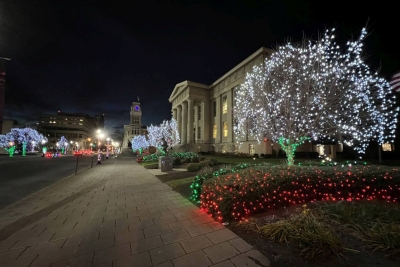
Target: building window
199 132
224 105
252 150
214 131
199 112
225 126
387 147
215 108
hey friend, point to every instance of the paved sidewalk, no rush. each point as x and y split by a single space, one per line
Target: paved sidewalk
116 214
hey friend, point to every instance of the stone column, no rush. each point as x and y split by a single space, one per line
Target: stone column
218 120
184 123
229 119
196 122
179 120
190 122
174 113
205 121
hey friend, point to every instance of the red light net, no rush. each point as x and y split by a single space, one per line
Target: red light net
237 196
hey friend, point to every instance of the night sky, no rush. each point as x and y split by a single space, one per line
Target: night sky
98 56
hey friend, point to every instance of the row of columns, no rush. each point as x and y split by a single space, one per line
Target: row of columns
183 114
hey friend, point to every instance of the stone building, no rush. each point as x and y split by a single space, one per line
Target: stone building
206 116
135 125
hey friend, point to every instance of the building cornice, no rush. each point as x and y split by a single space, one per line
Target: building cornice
262 50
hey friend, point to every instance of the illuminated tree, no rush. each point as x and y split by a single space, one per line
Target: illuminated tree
154 135
7 141
63 144
139 142
313 90
164 135
26 137
170 134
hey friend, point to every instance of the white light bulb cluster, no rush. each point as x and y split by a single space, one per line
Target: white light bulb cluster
313 89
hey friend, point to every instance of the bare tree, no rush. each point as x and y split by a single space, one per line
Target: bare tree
313 90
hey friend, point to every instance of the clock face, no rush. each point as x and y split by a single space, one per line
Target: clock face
137 108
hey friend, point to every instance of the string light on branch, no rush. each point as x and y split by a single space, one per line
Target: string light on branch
313 90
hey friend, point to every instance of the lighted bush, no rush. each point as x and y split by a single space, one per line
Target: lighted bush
193 167
239 194
151 157
196 186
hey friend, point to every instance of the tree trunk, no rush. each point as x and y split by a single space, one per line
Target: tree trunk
290 154
24 149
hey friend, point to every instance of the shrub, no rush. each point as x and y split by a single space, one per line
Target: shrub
308 155
193 167
210 163
195 160
214 161
251 190
151 157
281 154
273 153
188 160
177 161
205 170
204 163
202 158
262 155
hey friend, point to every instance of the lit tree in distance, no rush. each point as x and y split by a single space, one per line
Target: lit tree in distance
313 90
26 137
164 135
139 143
63 143
8 142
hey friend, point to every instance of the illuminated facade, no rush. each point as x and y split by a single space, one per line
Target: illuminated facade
206 116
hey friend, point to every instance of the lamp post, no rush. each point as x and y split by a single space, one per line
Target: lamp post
44 149
33 145
108 145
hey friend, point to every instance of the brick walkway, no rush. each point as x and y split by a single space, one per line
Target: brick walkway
116 214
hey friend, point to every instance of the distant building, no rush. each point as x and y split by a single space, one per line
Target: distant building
78 128
9 124
135 125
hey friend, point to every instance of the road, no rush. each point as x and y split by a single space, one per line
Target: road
22 176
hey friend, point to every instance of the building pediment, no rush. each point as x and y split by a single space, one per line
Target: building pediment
184 86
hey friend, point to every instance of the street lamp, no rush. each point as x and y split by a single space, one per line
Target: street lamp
33 145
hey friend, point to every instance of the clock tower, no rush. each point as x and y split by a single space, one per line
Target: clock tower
135 124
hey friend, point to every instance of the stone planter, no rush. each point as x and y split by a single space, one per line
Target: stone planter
165 163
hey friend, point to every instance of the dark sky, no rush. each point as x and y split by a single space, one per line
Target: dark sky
98 56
